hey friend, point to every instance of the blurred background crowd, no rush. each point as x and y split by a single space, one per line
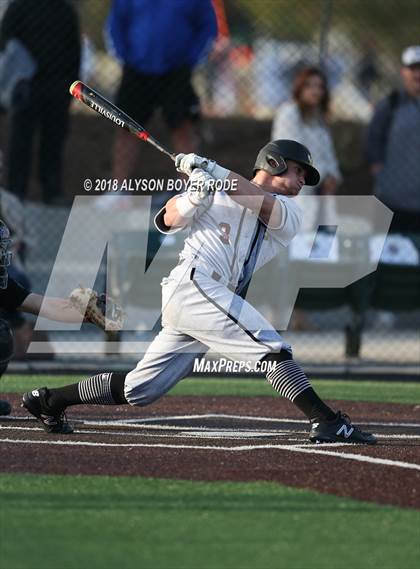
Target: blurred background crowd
221 78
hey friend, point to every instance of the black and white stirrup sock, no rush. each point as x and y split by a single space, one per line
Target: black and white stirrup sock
290 381
100 389
96 390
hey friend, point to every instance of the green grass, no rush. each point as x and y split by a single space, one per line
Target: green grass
385 392
100 522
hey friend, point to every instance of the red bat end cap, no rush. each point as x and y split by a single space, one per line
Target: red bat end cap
143 135
75 89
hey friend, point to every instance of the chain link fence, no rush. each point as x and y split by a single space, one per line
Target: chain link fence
246 85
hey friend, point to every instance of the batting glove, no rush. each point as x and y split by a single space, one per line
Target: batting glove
200 187
186 163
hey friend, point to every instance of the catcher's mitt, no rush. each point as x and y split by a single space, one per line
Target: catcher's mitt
93 307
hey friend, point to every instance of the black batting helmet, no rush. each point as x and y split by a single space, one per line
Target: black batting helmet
6 345
272 158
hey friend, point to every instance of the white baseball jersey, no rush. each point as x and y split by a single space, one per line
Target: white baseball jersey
227 237
225 244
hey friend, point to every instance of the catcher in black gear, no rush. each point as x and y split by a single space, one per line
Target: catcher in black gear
13 296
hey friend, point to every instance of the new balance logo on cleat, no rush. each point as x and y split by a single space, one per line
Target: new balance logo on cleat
339 430
343 429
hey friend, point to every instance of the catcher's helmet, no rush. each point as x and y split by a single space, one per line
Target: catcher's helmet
272 158
6 345
5 254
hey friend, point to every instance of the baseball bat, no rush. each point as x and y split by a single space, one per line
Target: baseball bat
110 111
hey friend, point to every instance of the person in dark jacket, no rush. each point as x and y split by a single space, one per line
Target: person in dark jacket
393 147
159 42
49 29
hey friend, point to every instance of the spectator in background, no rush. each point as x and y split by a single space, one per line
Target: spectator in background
49 29
159 43
304 119
393 147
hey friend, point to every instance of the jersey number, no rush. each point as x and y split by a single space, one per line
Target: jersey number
224 229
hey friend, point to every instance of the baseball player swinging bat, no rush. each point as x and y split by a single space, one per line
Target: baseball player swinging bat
225 244
98 103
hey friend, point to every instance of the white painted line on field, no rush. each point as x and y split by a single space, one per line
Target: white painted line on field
390 424
147 420
224 433
133 445
157 427
189 431
351 456
254 418
242 448
202 432
397 436
134 424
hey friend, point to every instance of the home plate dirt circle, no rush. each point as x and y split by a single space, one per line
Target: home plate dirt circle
225 438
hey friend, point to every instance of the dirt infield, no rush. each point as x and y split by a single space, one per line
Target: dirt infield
225 438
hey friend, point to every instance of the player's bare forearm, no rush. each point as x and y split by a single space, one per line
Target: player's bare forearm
172 217
253 197
52 308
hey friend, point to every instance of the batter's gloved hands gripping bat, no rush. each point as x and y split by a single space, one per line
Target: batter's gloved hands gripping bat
200 187
186 163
